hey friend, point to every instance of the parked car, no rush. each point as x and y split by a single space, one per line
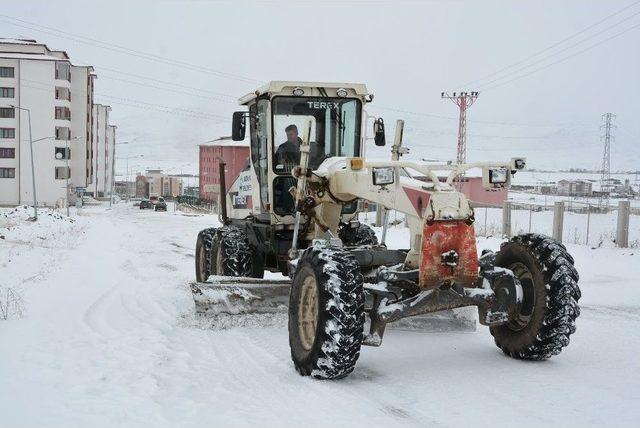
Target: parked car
146 204
161 205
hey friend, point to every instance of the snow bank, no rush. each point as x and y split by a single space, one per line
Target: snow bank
29 250
15 224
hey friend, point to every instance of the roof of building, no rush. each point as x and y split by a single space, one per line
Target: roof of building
226 142
32 56
18 41
357 89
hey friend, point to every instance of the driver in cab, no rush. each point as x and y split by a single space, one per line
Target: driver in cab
288 153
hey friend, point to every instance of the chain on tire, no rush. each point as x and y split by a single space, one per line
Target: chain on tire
356 236
233 255
326 313
550 302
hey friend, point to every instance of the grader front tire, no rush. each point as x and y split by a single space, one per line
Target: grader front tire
550 298
326 313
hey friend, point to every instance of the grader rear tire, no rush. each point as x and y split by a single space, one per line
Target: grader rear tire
326 313
204 244
550 298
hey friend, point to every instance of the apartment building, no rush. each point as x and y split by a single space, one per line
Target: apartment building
161 184
104 150
234 153
41 87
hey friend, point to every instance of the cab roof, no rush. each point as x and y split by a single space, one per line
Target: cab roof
286 87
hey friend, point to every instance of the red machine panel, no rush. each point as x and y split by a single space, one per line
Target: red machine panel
439 263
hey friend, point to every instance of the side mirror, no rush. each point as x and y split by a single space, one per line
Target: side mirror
238 126
378 130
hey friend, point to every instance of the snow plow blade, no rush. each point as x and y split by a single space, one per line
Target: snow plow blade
229 297
237 296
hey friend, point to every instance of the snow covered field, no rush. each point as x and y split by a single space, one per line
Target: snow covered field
107 338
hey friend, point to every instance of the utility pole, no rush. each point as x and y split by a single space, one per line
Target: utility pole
605 178
463 100
33 170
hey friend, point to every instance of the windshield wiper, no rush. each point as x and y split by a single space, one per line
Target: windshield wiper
334 114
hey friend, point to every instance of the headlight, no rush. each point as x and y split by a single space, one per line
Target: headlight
498 176
519 163
383 176
342 92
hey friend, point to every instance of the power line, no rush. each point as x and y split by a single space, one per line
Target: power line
176 91
584 30
564 50
486 122
121 49
563 59
143 105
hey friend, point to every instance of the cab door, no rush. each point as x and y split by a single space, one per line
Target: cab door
259 156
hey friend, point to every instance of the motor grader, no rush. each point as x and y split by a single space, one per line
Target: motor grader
301 219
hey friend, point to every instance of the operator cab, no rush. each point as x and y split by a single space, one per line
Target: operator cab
276 116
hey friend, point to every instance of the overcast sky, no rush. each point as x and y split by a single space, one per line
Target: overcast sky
546 70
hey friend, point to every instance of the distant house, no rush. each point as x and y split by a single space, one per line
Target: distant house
574 188
474 191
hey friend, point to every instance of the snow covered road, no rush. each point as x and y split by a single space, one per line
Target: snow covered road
109 339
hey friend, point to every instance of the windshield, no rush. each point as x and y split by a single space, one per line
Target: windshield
335 129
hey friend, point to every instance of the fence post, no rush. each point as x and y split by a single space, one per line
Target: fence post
558 217
379 215
506 219
486 212
588 222
622 232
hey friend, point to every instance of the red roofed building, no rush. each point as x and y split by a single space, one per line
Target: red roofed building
233 153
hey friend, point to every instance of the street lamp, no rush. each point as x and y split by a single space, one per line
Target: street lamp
68 174
33 171
127 174
113 172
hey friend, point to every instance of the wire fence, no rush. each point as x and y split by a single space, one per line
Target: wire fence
573 223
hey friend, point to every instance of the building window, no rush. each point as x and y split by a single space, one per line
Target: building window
63 113
63 153
7 112
63 172
63 94
63 133
7 173
7 153
7 132
7 72
7 93
63 71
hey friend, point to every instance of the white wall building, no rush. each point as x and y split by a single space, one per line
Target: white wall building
59 97
103 150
